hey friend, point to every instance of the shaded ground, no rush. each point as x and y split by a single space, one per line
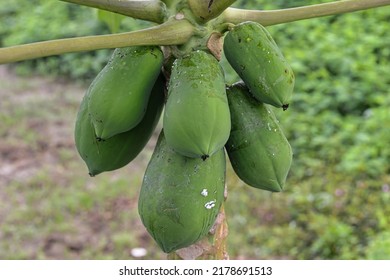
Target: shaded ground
49 206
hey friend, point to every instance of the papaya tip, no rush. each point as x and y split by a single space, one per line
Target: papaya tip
204 157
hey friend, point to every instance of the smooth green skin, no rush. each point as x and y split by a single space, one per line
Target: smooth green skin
197 118
173 204
119 150
259 152
256 58
119 94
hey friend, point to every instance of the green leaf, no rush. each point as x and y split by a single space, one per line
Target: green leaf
112 20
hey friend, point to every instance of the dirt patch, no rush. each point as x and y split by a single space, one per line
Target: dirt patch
20 156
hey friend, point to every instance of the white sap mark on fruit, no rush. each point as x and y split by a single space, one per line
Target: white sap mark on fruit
263 84
204 192
269 127
210 204
278 80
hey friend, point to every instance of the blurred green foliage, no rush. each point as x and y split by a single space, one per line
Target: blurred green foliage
337 200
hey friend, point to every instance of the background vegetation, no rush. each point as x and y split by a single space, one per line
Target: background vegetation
337 201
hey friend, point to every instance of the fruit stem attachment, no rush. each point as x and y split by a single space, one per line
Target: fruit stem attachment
273 17
170 3
151 10
205 10
173 32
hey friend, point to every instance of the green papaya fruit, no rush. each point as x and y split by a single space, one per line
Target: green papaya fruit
254 55
122 148
180 196
259 152
196 118
118 96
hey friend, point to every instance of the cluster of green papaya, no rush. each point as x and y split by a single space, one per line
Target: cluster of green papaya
183 186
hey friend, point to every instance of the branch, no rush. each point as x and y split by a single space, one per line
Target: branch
288 15
174 32
151 10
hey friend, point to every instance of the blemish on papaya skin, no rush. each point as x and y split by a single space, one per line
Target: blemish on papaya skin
155 55
170 210
209 5
204 157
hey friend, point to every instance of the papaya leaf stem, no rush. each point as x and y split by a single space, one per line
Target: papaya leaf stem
273 17
150 10
173 32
